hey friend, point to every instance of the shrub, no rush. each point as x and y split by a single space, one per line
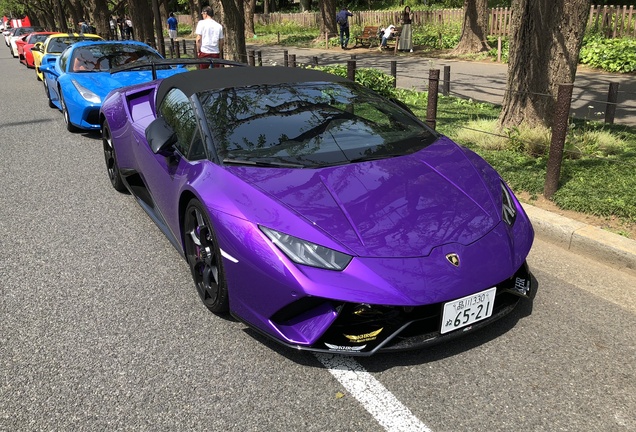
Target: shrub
612 55
374 79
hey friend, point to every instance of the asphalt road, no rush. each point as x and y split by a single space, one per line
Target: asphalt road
101 328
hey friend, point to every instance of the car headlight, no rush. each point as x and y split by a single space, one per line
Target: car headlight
86 93
307 253
509 209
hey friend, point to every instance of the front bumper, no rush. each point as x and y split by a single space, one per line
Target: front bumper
364 329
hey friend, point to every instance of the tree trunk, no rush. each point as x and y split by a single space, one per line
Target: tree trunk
234 30
328 17
474 28
99 17
250 7
546 37
305 5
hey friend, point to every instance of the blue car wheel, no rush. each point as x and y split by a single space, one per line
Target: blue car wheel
67 118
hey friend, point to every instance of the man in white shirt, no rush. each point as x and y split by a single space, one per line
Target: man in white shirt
209 37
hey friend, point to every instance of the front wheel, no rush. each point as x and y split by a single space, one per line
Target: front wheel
67 118
204 257
111 160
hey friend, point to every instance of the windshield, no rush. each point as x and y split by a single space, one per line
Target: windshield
58 44
310 124
103 57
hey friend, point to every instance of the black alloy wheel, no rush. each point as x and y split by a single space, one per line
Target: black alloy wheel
111 160
204 257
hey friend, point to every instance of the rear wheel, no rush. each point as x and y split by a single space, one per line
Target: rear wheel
204 257
111 160
67 118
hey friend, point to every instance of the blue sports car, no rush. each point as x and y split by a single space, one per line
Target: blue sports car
80 78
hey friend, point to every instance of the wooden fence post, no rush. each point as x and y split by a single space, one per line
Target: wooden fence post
292 60
260 58
250 58
285 58
446 83
433 87
351 70
394 72
612 98
559 132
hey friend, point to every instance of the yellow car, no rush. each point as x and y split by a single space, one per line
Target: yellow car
54 45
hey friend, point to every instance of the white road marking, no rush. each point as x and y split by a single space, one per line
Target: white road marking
374 397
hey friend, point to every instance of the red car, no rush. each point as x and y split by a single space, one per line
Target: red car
26 42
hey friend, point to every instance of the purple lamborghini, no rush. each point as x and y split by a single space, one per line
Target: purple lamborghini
317 212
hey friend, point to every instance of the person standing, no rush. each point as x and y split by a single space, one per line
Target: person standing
130 32
172 29
209 36
342 18
406 36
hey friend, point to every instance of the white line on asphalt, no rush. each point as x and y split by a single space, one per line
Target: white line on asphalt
374 397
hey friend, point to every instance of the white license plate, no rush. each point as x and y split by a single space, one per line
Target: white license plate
467 310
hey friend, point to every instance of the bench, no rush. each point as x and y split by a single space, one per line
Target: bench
368 37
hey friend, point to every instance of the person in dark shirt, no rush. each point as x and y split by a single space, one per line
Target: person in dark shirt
342 19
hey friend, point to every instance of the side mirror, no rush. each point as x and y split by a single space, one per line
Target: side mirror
160 136
37 46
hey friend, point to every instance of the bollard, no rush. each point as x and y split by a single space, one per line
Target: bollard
433 86
559 132
292 59
285 58
184 47
176 46
394 72
612 98
250 58
446 84
351 70
315 60
260 58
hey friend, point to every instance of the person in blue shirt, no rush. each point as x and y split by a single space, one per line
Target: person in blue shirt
342 19
172 29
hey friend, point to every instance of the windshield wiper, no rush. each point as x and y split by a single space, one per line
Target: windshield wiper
376 157
262 163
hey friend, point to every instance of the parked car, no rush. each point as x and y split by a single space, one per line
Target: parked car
26 42
78 80
7 35
18 33
54 45
321 214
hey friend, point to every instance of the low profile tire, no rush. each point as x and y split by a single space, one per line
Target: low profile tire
67 117
48 95
204 257
111 160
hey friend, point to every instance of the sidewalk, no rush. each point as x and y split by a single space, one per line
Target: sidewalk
480 81
484 81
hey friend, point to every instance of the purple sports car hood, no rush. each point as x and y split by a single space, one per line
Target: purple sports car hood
398 207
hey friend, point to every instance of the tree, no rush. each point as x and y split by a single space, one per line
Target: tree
328 17
474 28
234 30
546 37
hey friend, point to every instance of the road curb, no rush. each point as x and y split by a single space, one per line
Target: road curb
601 245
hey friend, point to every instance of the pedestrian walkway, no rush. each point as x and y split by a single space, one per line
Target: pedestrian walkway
479 81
